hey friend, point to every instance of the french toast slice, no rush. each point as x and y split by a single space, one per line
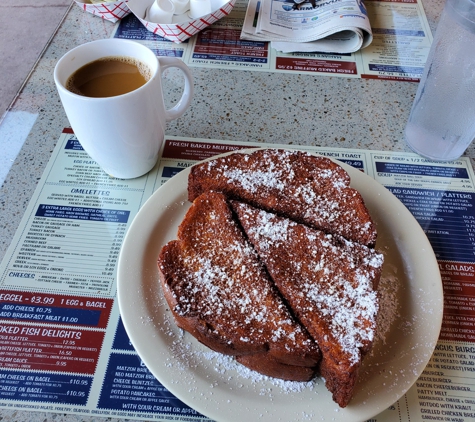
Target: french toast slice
301 186
330 285
219 292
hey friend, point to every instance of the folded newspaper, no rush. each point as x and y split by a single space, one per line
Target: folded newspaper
327 26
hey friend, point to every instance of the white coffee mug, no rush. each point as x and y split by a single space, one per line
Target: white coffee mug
124 133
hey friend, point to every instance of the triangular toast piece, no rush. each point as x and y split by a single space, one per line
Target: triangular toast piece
328 282
295 184
219 292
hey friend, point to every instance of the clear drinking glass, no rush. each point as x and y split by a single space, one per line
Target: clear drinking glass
441 124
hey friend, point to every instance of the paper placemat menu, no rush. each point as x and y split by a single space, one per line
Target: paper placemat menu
63 347
398 52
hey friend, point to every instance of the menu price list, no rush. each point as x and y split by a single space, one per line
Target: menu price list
47 257
224 45
447 218
459 306
54 308
441 199
445 389
59 335
46 263
129 387
65 349
76 224
40 387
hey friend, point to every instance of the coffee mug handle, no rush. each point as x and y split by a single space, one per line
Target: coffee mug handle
185 100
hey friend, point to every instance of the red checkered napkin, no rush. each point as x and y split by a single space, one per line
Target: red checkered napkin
111 11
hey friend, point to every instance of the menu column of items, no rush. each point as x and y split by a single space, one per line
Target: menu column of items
75 247
221 46
74 226
50 345
129 389
442 199
57 281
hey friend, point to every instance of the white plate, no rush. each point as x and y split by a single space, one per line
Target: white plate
411 308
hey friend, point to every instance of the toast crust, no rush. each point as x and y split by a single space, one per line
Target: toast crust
328 281
306 188
219 291
267 365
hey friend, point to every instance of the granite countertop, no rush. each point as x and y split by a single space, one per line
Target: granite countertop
228 104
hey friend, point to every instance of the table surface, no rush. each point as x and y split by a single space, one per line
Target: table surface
228 104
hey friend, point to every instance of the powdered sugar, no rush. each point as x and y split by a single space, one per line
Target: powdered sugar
327 275
294 183
347 311
252 181
188 354
220 282
214 292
